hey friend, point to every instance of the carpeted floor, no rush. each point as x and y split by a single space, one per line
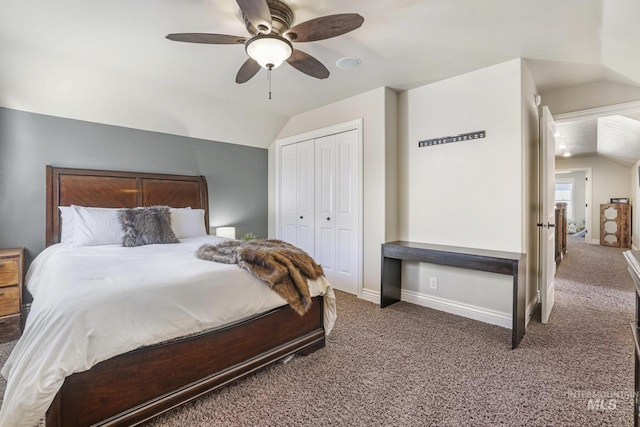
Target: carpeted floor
407 365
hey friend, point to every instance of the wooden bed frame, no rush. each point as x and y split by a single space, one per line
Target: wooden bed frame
133 387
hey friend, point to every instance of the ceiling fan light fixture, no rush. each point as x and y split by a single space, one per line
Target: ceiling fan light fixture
269 50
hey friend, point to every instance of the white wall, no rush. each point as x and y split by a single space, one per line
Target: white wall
531 203
589 95
609 180
470 193
467 193
377 109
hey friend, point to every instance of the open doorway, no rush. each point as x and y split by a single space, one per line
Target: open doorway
605 140
573 187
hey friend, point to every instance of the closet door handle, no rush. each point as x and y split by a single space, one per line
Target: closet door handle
301 217
328 218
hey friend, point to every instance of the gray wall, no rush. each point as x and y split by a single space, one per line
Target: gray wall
236 175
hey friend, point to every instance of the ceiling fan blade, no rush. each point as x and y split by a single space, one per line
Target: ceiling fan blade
258 13
308 64
324 27
206 38
248 70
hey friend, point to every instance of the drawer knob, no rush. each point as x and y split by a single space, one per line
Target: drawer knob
1 264
1 293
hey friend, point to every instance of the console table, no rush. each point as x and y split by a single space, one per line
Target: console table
509 263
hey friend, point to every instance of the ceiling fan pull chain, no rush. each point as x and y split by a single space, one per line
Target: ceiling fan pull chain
269 79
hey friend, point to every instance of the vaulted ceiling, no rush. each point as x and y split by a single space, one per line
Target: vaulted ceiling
613 137
109 61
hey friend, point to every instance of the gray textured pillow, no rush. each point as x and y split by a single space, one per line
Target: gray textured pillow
147 226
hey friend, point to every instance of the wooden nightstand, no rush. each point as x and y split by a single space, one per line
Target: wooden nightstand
11 274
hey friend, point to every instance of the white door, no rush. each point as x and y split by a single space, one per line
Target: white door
347 212
325 253
305 233
337 209
546 223
288 194
297 195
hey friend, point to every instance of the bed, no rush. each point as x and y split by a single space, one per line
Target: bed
129 388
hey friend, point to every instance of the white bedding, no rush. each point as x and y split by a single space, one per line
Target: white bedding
92 303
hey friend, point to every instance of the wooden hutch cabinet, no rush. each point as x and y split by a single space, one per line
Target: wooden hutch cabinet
615 225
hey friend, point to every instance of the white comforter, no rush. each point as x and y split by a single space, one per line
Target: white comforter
92 303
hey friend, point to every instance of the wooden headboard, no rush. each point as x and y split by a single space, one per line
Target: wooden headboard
113 189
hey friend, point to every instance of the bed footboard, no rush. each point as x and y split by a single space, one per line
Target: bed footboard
134 387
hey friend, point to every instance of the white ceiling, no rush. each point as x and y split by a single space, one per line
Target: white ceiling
109 61
615 137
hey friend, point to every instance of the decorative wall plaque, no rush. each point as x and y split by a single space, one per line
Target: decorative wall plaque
455 138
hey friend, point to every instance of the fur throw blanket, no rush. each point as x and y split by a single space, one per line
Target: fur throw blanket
284 267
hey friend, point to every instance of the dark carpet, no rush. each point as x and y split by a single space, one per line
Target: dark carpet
407 365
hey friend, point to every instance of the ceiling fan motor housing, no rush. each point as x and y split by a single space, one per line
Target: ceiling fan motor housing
281 18
270 24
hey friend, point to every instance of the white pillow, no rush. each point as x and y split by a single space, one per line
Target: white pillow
95 226
67 221
187 222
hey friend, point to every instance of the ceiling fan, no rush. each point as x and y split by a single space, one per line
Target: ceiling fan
269 23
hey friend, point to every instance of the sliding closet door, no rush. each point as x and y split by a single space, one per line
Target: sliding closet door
297 195
337 208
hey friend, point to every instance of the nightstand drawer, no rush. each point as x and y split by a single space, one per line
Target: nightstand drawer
9 300
9 271
10 328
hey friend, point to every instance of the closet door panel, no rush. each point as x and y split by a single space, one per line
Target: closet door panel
325 251
288 194
305 233
346 211
325 177
325 205
344 251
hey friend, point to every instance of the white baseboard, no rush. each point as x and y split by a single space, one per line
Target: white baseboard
371 296
454 307
595 241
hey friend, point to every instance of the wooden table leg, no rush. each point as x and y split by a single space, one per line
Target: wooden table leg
519 303
390 285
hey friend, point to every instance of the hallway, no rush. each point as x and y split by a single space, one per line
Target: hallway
589 332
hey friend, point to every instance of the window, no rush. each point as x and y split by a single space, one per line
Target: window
564 194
